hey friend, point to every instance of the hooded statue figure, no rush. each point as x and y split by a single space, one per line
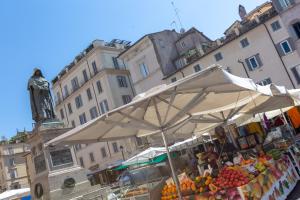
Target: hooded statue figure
40 97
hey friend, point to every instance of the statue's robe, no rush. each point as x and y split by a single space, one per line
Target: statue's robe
40 99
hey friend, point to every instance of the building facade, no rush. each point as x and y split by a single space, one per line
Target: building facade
263 45
13 171
152 57
94 83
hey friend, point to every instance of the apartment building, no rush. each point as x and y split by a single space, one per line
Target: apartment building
13 172
151 58
263 45
94 83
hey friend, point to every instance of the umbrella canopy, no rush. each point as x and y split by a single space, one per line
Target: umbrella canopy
168 106
12 194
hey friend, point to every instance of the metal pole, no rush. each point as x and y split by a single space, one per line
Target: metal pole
175 178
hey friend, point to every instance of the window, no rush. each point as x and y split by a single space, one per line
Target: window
296 28
94 66
66 91
61 157
275 26
197 68
75 84
13 173
115 147
116 64
70 108
89 94
104 106
244 42
173 79
285 46
58 98
85 76
296 72
81 162
62 115
182 44
78 101
82 118
122 81
77 147
93 112
73 123
126 99
92 157
254 62
103 152
144 70
266 81
11 162
99 87
10 150
285 3
218 56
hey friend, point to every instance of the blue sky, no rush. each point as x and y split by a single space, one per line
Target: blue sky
50 33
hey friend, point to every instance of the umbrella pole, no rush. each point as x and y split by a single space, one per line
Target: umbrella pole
175 178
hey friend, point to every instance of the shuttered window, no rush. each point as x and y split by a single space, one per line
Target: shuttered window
254 62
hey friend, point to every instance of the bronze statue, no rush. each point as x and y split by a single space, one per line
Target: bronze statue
40 97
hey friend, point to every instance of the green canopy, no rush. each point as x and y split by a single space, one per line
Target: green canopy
155 160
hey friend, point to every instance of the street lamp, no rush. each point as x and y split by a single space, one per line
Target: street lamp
245 69
122 151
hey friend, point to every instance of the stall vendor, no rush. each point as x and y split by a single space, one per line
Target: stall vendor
210 156
226 145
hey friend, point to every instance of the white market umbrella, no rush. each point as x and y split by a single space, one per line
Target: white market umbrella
146 155
13 194
163 108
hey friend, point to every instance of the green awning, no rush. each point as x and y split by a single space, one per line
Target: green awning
155 160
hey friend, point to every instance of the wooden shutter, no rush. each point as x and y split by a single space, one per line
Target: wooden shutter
292 44
248 64
296 74
279 49
258 60
277 5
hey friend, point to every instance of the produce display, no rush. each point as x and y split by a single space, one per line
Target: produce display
232 177
249 179
136 192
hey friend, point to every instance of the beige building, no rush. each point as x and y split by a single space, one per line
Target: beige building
94 83
259 46
13 172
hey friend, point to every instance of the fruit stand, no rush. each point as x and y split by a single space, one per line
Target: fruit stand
271 180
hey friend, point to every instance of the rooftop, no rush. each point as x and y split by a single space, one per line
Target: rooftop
115 43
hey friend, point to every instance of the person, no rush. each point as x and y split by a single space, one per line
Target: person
211 157
227 148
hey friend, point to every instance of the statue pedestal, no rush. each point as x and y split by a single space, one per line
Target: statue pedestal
54 172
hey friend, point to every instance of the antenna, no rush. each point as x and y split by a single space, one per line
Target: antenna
174 23
177 15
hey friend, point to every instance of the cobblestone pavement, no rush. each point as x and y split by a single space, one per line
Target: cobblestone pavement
295 195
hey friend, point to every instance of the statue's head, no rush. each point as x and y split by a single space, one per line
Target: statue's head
37 72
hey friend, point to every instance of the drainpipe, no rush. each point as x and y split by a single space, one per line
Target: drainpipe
64 104
284 66
97 104
245 69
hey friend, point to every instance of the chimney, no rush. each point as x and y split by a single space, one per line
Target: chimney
257 18
237 31
242 12
219 42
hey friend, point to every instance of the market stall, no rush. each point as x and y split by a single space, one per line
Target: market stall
168 108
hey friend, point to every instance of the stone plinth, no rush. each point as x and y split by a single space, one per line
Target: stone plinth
54 172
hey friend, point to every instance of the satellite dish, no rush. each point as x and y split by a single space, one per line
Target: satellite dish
182 30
